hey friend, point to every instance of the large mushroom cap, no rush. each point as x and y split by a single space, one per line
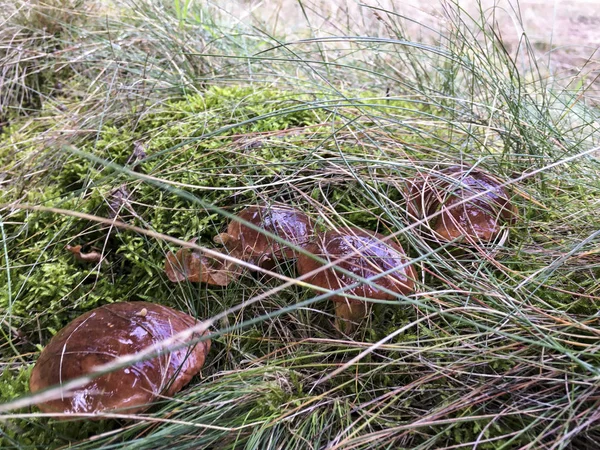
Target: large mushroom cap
366 255
287 223
479 219
104 334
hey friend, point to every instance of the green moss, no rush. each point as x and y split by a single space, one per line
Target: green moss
49 287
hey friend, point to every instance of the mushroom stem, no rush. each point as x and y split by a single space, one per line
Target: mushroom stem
348 315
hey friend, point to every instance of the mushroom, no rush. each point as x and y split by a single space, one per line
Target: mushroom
476 220
103 335
287 223
245 243
364 254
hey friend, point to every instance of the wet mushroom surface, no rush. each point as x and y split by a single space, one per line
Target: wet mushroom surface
284 222
105 334
246 244
366 254
477 220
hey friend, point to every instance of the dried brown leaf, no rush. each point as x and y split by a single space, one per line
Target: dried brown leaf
84 257
137 156
192 266
118 200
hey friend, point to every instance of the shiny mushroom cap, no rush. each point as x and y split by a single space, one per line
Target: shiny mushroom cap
244 243
287 223
479 219
366 255
105 334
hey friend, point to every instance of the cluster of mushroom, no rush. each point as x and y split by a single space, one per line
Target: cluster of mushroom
457 203
464 204
333 260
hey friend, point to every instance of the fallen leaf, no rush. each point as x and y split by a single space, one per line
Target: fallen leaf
137 156
193 266
118 201
84 257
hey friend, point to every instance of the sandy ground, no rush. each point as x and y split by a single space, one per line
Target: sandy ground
565 34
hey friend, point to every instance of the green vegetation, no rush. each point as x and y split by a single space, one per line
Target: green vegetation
161 116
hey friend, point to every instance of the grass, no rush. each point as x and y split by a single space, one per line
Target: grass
494 350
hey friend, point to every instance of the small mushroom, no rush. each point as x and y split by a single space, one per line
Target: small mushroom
287 223
477 220
103 335
364 254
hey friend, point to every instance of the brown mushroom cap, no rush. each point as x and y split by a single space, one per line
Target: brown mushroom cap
370 257
104 334
479 219
244 243
287 223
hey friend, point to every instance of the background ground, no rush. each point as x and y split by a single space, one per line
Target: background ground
565 34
